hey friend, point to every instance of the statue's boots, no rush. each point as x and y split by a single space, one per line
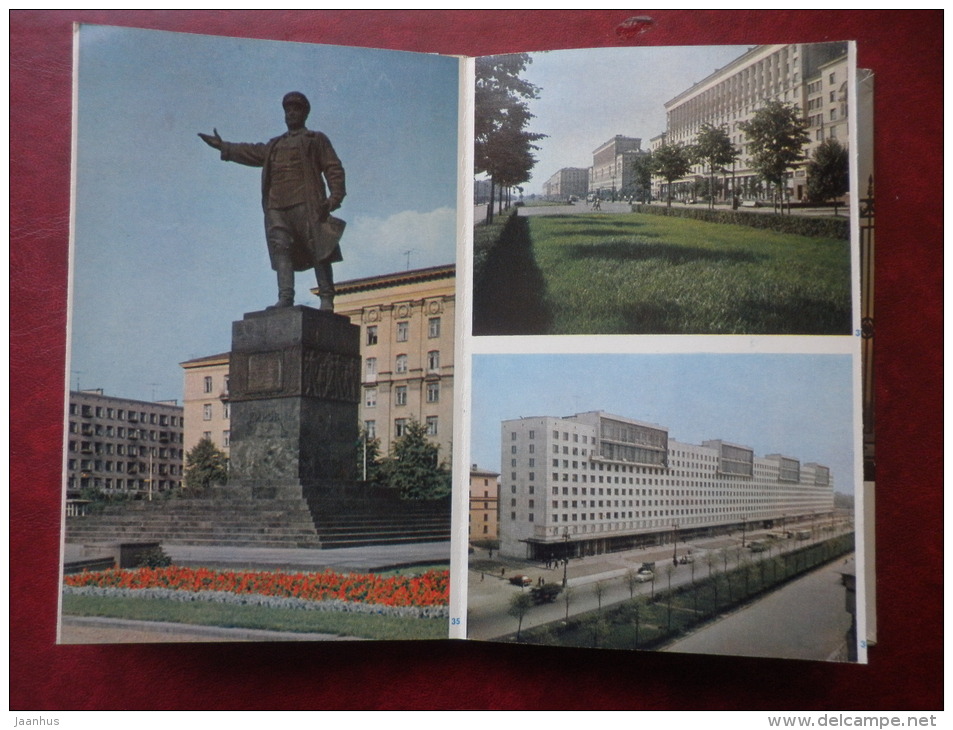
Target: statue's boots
286 282
322 272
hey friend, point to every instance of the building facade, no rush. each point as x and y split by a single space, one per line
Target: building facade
122 446
407 328
205 401
813 77
484 504
596 482
612 173
567 183
407 344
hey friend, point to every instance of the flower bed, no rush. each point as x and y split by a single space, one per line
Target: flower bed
427 589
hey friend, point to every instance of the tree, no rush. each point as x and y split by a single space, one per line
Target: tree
600 590
714 148
828 172
776 137
205 465
642 167
502 148
414 467
519 605
671 161
568 594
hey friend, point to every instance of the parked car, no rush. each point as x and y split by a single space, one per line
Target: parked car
521 580
644 576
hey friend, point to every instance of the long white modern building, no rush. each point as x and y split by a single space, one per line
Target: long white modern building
596 482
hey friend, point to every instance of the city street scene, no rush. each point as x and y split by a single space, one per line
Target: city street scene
711 510
699 190
256 452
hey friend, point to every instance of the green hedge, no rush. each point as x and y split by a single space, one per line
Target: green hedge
796 224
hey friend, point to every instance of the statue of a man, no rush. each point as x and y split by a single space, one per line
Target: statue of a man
298 227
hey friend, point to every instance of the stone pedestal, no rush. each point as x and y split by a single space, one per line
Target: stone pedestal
294 388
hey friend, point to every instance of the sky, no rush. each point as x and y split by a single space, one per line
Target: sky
590 95
796 405
169 246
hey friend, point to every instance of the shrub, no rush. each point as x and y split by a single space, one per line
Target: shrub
794 224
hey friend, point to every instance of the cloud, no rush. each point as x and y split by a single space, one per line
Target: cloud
383 245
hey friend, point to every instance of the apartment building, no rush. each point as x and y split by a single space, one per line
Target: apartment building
118 445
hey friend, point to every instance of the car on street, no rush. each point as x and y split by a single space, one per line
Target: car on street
521 580
644 576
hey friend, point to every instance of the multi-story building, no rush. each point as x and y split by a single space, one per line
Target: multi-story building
205 401
484 504
407 341
567 183
117 445
612 172
596 482
407 327
811 76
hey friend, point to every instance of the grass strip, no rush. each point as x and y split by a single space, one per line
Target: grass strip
257 617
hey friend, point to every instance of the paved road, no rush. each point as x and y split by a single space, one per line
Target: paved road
804 620
489 593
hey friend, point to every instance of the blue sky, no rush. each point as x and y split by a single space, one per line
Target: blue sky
797 405
590 95
169 245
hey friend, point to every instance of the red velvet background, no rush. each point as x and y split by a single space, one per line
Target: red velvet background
905 671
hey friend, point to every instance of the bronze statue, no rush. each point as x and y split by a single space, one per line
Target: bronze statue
300 231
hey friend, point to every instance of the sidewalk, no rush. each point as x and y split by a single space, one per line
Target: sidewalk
97 630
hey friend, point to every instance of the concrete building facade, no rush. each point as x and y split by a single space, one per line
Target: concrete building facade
612 171
407 344
811 76
205 401
567 183
122 446
596 482
484 504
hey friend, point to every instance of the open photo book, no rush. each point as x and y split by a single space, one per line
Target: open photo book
569 348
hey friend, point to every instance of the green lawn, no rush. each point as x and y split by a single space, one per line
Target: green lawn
257 617
644 274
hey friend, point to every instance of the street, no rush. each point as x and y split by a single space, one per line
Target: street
490 592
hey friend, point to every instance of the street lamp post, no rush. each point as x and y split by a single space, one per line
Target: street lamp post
565 556
675 548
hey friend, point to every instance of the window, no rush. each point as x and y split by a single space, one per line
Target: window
207 384
431 425
400 425
401 365
371 369
433 360
370 428
226 410
226 438
207 412
433 327
402 329
400 395
205 435
372 334
433 392
370 398
225 385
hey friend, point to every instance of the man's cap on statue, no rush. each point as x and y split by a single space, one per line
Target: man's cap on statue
296 96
